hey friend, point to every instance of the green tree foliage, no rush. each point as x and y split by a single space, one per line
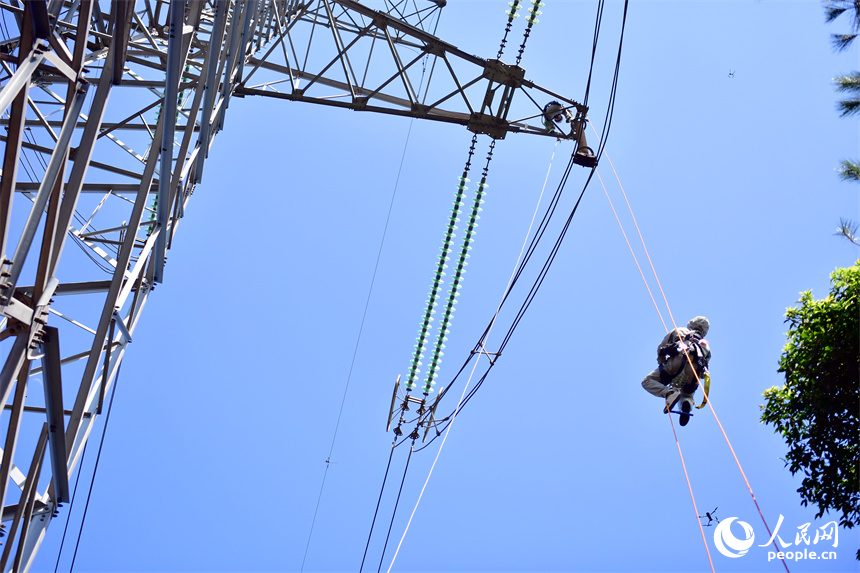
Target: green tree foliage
816 411
848 229
849 170
833 9
848 85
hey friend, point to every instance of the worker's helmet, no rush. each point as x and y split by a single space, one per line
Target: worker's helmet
554 111
700 324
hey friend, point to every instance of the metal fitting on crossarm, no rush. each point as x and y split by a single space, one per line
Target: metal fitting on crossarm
584 155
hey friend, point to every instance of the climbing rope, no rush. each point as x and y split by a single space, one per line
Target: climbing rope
629 246
704 387
692 497
737 461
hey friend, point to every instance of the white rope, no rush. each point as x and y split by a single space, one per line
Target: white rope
472 373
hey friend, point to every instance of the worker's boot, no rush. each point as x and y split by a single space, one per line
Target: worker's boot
686 407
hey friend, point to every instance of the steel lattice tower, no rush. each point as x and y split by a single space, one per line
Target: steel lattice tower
109 110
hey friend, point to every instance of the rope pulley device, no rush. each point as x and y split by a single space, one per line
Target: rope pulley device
554 113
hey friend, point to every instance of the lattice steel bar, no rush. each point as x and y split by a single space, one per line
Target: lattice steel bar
109 110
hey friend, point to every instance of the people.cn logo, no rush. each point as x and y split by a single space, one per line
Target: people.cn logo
727 543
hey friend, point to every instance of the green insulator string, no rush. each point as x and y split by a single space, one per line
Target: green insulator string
531 20
183 94
180 98
427 319
153 211
512 13
179 102
457 279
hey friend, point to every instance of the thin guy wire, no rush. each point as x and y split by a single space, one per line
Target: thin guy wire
96 468
316 510
360 332
71 505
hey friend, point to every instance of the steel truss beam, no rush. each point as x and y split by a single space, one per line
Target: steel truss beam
109 110
343 54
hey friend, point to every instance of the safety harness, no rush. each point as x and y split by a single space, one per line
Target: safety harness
696 349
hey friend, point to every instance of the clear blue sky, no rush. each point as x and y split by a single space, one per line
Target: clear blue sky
227 403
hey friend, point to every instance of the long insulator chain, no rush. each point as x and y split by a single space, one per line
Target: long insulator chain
456 281
531 20
512 13
440 272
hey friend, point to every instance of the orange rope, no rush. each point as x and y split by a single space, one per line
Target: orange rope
641 239
689 361
638 266
737 461
695 509
683 464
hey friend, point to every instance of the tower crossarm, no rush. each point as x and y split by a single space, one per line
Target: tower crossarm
341 53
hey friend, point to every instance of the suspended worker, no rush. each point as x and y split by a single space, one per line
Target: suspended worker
554 114
682 357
